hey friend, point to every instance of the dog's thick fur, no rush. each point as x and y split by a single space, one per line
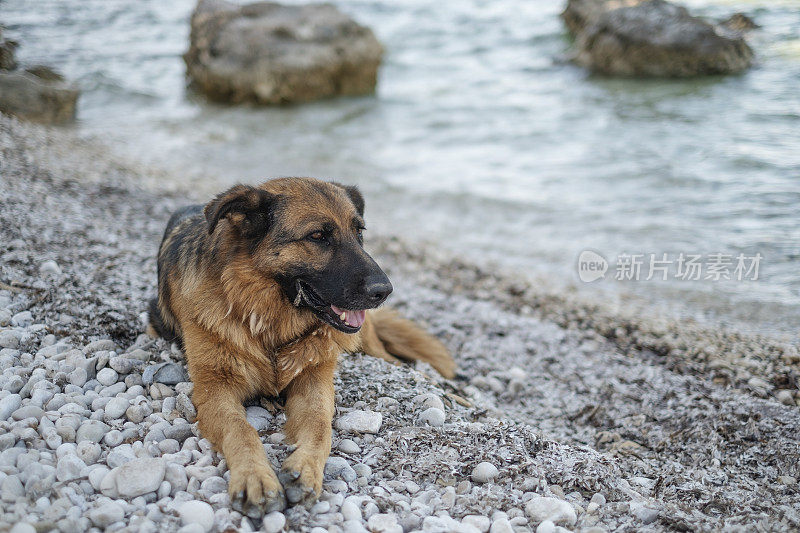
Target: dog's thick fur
228 291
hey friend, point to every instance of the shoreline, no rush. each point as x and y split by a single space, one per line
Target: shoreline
682 344
674 424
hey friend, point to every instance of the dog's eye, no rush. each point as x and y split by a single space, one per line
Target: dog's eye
318 236
360 234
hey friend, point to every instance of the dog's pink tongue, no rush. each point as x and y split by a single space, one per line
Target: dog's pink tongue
353 318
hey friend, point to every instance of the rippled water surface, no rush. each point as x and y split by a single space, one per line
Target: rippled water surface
482 138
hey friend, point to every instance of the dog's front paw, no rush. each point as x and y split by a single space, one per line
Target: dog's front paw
301 477
256 491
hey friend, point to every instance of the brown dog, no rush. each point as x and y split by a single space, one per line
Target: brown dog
265 287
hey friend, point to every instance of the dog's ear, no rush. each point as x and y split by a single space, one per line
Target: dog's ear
355 196
248 209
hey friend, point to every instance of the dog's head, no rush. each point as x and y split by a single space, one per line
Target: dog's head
306 235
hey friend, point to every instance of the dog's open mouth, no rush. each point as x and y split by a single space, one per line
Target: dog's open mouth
349 321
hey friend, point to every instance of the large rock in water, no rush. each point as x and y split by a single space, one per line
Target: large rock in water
38 94
274 54
7 49
651 38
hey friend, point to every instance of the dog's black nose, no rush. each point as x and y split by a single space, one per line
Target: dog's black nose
377 288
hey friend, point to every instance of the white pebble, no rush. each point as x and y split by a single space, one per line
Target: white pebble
258 417
353 526
547 526
107 377
501 525
350 510
65 449
49 268
785 397
8 405
202 472
159 391
360 422
384 523
106 514
115 408
320 508
5 317
78 377
113 438
349 446
339 468
137 413
14 384
169 446
214 485
482 523
432 416
413 488
273 522
69 467
9 339
647 515
134 478
23 319
176 475
517 373
541 508
197 512
12 489
442 523
96 476
164 490
370 509
120 455
42 503
429 400
91 430
484 473
89 452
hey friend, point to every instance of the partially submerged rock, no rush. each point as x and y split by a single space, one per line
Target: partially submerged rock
7 49
37 93
739 22
582 13
270 53
651 38
40 99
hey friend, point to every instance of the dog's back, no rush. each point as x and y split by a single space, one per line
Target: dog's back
170 252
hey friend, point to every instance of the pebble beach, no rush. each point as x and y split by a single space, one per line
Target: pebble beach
565 415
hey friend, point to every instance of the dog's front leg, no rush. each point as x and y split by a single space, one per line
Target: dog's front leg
218 395
309 411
